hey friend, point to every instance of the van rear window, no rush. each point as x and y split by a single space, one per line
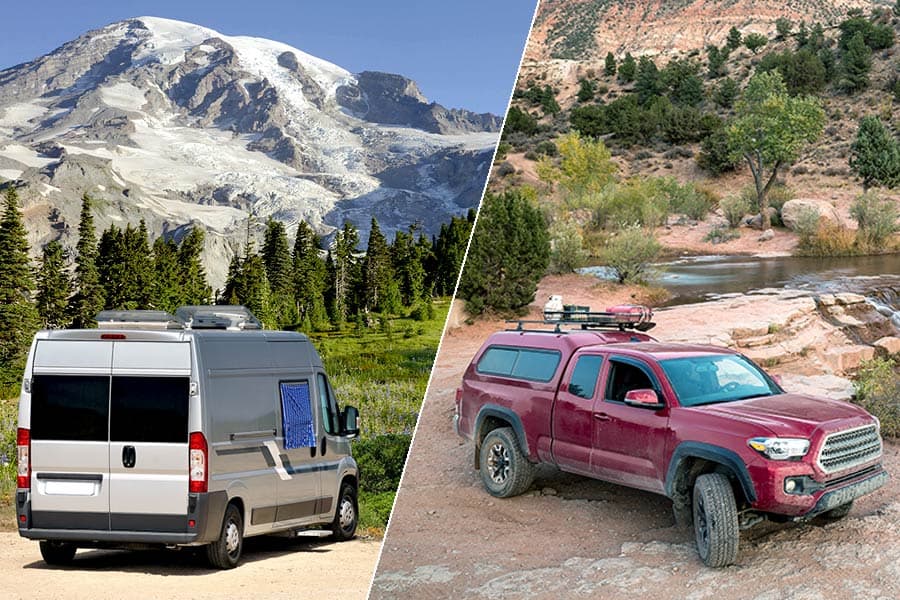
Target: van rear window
519 363
149 409
69 407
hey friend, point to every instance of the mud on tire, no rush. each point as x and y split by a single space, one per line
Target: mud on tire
505 470
715 520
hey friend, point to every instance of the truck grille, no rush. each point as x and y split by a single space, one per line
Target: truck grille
846 449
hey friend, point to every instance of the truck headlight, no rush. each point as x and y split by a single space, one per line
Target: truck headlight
780 448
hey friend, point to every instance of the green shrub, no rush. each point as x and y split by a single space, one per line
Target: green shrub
381 461
877 218
635 201
688 199
807 225
566 248
547 148
715 154
877 387
375 509
720 235
735 208
630 253
8 420
828 240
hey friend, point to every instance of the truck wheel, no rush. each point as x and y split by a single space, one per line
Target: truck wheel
58 553
835 514
225 552
715 520
346 515
505 471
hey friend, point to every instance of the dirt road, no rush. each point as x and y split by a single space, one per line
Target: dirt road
574 537
272 567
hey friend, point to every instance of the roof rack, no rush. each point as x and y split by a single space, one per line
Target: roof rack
638 318
137 319
229 317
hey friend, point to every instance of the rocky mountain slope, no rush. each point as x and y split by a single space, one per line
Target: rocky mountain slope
584 29
184 126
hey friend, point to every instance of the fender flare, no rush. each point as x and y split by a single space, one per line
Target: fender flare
717 454
506 414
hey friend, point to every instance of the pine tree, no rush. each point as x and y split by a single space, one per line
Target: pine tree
875 154
112 269
308 273
88 298
344 276
783 27
140 262
277 259
53 287
18 316
609 67
254 288
627 69
715 62
855 65
449 250
377 271
802 36
509 253
648 84
165 290
195 289
407 257
734 39
585 90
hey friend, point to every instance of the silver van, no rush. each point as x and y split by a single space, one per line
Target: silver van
187 430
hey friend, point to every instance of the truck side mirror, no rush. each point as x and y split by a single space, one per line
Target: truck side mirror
350 421
644 399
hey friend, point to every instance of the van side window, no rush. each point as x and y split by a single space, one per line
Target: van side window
297 415
585 375
329 407
624 377
520 363
70 407
149 409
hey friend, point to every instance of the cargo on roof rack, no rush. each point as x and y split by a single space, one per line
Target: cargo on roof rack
229 317
137 319
626 316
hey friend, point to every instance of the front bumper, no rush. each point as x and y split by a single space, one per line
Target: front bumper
848 493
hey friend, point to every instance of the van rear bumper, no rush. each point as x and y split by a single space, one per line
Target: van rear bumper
205 510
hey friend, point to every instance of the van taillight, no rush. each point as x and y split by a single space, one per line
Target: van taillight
198 482
23 453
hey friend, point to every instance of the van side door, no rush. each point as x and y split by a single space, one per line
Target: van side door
573 427
298 485
333 447
629 441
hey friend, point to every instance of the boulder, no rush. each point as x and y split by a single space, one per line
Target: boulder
755 221
843 359
793 209
767 235
887 346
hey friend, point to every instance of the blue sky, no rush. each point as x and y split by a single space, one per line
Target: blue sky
462 53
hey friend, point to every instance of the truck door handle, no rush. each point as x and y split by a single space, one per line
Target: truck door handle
129 457
601 416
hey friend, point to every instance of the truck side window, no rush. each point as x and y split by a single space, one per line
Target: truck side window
329 407
585 375
297 415
624 377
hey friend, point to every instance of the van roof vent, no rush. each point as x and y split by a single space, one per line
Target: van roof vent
233 318
136 319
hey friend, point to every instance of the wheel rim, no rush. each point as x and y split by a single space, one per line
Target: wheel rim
498 463
347 515
232 538
702 526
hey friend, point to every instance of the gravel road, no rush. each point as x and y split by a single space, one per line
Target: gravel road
574 537
272 567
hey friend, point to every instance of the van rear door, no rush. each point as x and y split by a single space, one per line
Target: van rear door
69 414
148 433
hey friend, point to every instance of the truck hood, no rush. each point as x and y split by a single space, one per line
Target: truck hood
793 415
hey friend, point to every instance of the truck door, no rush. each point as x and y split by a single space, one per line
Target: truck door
69 442
628 441
573 414
148 429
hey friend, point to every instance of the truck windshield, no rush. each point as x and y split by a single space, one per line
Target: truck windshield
716 378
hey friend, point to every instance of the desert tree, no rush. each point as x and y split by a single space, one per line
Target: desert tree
875 155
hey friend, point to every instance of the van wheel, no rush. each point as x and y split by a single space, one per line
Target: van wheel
58 553
505 470
225 552
346 515
715 520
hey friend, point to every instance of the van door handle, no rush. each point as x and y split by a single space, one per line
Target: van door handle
601 416
129 457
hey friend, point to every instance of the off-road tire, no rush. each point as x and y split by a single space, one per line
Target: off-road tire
505 470
836 514
58 553
225 552
715 520
346 514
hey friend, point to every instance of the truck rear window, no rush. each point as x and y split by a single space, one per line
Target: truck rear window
70 407
519 363
149 409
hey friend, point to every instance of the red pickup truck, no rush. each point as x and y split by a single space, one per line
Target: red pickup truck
701 425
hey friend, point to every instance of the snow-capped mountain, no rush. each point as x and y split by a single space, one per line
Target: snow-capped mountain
181 125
